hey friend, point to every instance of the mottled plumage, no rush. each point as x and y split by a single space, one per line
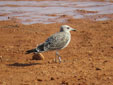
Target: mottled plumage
57 41
52 43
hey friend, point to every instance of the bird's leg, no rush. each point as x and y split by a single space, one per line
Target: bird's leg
56 56
55 60
59 57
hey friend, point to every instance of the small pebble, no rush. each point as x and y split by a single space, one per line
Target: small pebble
39 79
105 61
98 68
37 57
52 78
65 83
1 58
109 77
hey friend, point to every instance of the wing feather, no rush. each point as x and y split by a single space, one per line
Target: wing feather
57 41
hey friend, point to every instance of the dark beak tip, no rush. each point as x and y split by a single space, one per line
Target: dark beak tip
74 30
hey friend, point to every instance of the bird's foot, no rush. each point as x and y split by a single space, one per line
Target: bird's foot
57 60
60 60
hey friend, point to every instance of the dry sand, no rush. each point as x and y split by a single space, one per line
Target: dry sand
88 60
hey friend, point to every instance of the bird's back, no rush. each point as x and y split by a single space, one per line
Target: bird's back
57 41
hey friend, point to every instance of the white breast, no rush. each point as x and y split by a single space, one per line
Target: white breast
68 40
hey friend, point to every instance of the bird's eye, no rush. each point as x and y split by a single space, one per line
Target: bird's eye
67 27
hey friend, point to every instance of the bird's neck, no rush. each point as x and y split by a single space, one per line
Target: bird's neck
68 33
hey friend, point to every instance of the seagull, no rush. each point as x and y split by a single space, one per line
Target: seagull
56 42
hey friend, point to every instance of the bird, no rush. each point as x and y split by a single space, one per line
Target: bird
56 42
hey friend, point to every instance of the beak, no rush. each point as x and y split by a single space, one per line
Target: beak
73 29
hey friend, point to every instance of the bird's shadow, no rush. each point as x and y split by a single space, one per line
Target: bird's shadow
23 64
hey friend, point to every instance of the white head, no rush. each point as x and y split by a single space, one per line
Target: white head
66 28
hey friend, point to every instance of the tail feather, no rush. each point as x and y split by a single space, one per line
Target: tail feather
31 51
39 49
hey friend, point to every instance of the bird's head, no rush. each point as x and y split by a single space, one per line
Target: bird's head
66 28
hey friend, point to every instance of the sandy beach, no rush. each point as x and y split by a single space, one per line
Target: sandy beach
87 60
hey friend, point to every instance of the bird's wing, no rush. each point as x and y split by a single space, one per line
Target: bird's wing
56 41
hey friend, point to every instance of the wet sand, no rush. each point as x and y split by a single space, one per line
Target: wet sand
88 60
46 12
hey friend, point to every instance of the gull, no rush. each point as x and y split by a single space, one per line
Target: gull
56 42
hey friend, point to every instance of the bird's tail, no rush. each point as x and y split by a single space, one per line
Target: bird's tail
31 51
39 49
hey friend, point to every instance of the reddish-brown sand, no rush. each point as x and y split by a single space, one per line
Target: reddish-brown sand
88 59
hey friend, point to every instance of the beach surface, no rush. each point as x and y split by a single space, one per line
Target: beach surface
87 60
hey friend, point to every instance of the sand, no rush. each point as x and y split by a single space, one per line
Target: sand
88 59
